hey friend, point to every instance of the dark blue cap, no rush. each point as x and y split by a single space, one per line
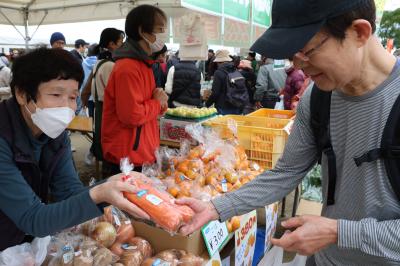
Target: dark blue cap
295 22
56 36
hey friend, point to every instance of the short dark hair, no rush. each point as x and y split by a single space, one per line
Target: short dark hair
110 35
42 65
93 49
338 25
210 50
142 17
107 35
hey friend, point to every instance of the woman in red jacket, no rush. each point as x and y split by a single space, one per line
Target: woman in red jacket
132 102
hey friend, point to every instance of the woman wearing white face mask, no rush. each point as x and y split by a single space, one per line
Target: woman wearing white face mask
35 153
132 102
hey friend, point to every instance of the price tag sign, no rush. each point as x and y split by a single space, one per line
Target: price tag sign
245 239
215 235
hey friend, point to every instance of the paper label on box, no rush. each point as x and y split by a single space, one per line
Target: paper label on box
154 199
271 218
245 239
215 235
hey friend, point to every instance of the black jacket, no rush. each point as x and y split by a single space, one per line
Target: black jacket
218 95
77 55
186 85
251 79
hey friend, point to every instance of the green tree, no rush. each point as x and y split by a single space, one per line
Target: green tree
390 26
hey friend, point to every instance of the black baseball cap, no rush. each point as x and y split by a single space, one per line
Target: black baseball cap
80 42
295 22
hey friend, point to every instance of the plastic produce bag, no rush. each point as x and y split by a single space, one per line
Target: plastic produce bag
311 185
274 257
26 254
158 204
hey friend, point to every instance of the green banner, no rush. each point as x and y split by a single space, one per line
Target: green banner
207 6
262 12
237 9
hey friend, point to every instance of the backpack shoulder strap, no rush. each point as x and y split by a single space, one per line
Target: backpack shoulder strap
96 96
320 108
391 147
389 150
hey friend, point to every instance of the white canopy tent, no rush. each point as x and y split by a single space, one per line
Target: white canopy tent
40 12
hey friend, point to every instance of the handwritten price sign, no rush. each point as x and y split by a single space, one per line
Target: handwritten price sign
215 235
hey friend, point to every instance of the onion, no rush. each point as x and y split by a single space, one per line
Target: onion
190 260
131 258
104 233
171 255
155 261
103 257
142 245
125 232
116 248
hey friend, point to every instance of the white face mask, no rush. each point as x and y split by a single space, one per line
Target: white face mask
158 44
52 121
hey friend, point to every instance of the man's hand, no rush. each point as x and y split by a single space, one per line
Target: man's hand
204 213
311 234
259 105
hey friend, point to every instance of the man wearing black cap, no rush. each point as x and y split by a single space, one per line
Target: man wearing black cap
79 51
333 42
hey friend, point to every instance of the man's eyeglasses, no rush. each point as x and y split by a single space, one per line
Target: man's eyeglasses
301 56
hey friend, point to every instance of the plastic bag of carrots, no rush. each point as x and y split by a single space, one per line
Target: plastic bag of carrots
158 204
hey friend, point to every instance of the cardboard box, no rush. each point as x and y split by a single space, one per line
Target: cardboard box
309 207
162 240
174 130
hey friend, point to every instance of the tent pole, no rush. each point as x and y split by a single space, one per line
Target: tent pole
40 23
11 23
27 38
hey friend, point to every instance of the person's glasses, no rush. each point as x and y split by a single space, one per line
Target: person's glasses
301 56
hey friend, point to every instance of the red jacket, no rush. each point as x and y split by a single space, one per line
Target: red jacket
129 124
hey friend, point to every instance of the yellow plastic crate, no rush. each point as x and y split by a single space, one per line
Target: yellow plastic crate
263 138
272 113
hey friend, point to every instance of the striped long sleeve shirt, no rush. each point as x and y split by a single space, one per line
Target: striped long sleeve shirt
366 207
